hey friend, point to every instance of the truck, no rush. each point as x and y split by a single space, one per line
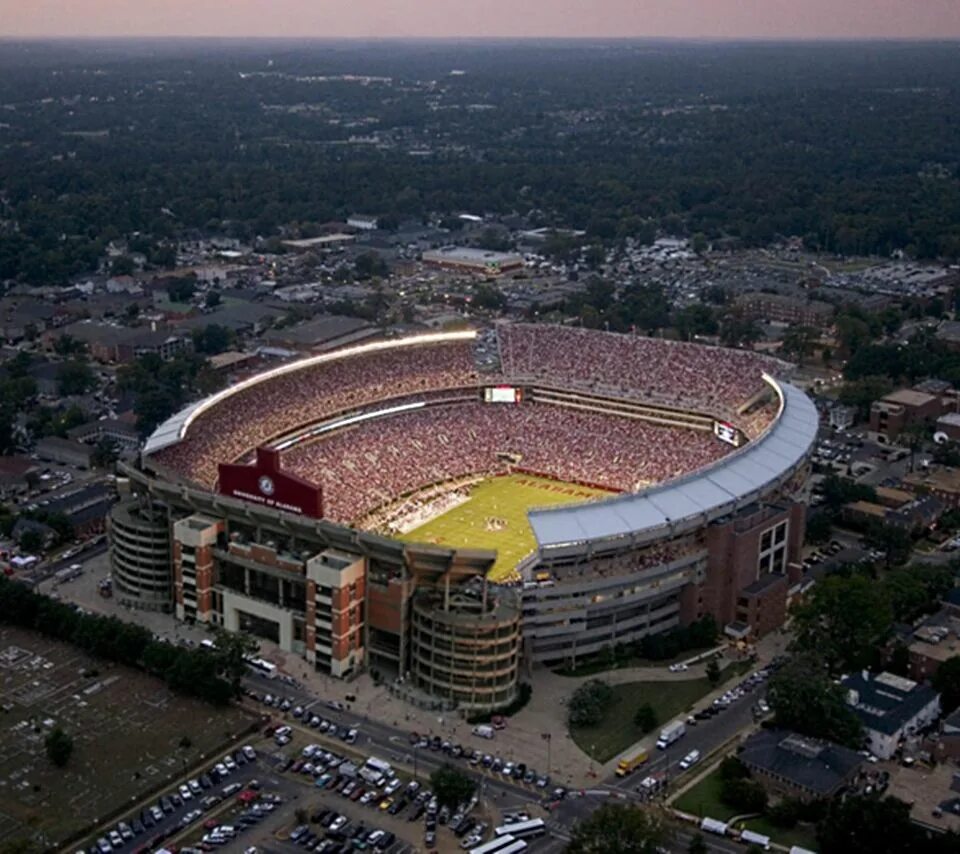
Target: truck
629 764
671 733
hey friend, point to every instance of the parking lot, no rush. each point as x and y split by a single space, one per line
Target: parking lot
129 731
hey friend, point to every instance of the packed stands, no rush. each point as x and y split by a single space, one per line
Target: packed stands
709 379
269 409
366 466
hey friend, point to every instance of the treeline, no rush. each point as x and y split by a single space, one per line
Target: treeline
193 672
853 150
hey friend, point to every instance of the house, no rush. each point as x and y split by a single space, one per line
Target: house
23 525
890 708
797 766
17 475
107 342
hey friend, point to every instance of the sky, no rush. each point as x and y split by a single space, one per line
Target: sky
714 19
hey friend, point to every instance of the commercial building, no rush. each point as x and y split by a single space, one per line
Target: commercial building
904 408
780 308
796 766
890 708
65 451
479 261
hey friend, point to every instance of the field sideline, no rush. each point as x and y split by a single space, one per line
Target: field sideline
495 517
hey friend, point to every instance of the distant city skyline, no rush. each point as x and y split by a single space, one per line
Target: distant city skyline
694 19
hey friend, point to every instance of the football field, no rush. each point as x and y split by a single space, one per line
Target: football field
495 517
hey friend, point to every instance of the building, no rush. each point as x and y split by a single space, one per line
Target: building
842 417
109 343
904 408
254 548
780 308
936 640
47 377
65 451
324 333
140 554
123 435
478 261
85 508
890 708
949 425
796 766
363 223
942 483
17 476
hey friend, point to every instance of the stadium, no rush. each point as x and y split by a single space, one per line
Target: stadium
458 506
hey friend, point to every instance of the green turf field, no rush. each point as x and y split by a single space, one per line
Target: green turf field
501 502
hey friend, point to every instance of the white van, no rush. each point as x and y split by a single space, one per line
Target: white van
484 731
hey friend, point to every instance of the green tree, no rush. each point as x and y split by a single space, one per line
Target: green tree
75 377
451 786
799 342
232 650
713 671
589 703
31 541
212 298
743 794
947 681
893 541
620 828
59 746
845 621
182 289
105 453
819 528
645 718
805 699
864 391
122 265
866 825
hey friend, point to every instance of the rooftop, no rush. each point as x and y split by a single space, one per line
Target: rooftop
811 764
909 397
886 703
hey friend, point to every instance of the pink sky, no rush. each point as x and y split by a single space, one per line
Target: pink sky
439 18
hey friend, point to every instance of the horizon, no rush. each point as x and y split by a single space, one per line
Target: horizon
696 20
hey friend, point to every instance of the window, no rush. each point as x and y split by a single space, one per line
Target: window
773 550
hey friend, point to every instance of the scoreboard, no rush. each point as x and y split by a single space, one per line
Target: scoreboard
726 432
502 394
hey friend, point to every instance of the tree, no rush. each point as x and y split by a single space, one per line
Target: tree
713 671
806 700
59 746
182 289
122 265
451 786
646 718
893 541
212 339
947 681
370 265
75 377
799 341
212 299
819 528
231 651
738 330
31 541
743 794
864 391
845 622
105 453
589 703
614 827
865 825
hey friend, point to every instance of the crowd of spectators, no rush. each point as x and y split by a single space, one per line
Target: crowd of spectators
270 409
373 463
713 380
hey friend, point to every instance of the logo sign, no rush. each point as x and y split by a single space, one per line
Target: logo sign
266 485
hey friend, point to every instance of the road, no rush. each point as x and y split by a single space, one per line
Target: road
45 571
393 744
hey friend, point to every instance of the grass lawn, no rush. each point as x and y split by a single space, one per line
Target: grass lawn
703 800
495 517
617 731
600 663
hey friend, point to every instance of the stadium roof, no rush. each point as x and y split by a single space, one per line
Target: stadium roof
678 505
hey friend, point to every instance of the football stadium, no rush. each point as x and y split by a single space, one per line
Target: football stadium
460 506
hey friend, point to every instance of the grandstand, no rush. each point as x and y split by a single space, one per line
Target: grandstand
624 483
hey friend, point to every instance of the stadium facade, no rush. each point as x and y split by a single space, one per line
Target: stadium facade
255 539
